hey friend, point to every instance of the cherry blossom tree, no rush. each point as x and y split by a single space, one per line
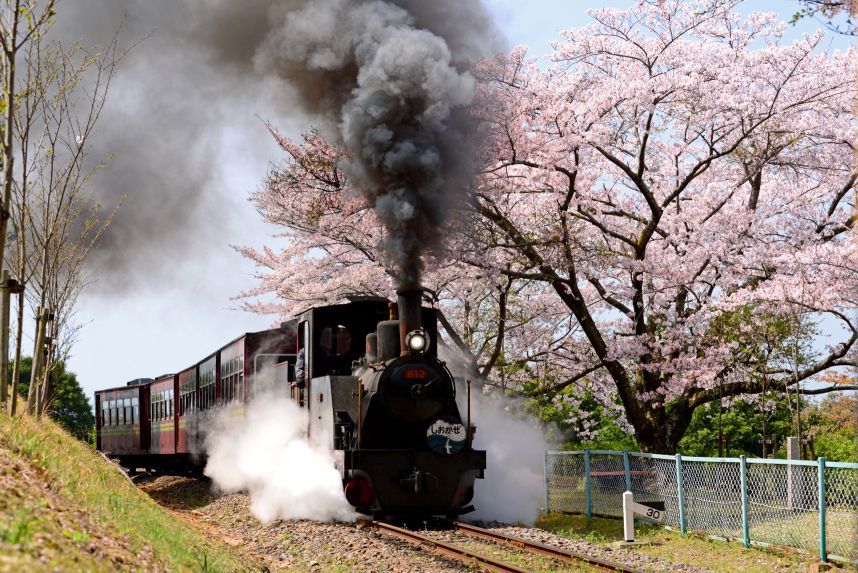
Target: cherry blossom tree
664 209
496 324
677 165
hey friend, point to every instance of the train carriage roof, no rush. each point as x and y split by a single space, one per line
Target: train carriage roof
350 301
346 301
120 389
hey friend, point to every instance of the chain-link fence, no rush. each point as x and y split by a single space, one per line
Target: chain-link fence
812 506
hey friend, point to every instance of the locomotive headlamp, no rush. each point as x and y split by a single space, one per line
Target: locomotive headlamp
417 340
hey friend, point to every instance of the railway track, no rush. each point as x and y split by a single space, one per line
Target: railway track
489 563
541 549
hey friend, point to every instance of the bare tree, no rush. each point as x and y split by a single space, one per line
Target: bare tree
21 22
56 224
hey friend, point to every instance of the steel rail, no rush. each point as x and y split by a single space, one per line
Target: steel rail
459 553
540 548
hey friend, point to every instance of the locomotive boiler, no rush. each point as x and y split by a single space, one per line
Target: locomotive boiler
375 393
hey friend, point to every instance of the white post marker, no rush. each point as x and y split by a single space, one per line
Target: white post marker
628 518
630 507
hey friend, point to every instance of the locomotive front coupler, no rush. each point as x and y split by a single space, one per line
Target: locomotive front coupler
420 482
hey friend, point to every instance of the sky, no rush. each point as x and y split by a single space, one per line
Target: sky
163 320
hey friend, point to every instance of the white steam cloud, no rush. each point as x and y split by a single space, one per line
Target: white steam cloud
514 486
267 454
513 489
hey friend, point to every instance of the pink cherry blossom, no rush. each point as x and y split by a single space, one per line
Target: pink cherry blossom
672 184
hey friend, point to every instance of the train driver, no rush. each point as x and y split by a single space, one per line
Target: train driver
300 370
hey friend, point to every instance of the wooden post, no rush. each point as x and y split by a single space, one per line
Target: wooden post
19 290
46 363
44 378
32 393
4 338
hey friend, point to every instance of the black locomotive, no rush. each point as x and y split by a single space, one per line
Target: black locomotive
376 394
389 413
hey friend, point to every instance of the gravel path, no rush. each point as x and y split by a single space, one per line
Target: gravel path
337 547
619 554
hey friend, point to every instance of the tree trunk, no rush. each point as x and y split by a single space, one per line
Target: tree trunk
19 335
654 440
38 356
46 389
34 399
720 429
662 433
9 134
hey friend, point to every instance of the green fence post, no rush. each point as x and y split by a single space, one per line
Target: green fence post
628 470
547 482
680 494
823 553
587 483
743 476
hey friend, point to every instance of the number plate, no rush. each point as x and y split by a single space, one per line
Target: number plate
648 512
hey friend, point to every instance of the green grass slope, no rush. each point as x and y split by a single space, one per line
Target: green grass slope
64 508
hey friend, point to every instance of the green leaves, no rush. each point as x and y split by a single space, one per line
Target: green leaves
70 407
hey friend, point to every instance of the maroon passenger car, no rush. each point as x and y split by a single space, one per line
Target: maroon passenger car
162 414
122 430
155 424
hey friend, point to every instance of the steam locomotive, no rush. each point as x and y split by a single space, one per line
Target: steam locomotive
376 395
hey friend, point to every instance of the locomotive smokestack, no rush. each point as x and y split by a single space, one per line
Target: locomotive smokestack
409 301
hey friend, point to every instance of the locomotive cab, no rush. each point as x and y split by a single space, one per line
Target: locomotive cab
380 399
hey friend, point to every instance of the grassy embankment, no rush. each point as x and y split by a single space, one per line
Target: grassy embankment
62 507
693 549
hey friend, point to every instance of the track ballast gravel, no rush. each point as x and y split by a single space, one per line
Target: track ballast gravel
312 546
624 556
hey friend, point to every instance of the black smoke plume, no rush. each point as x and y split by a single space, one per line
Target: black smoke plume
395 94
387 78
